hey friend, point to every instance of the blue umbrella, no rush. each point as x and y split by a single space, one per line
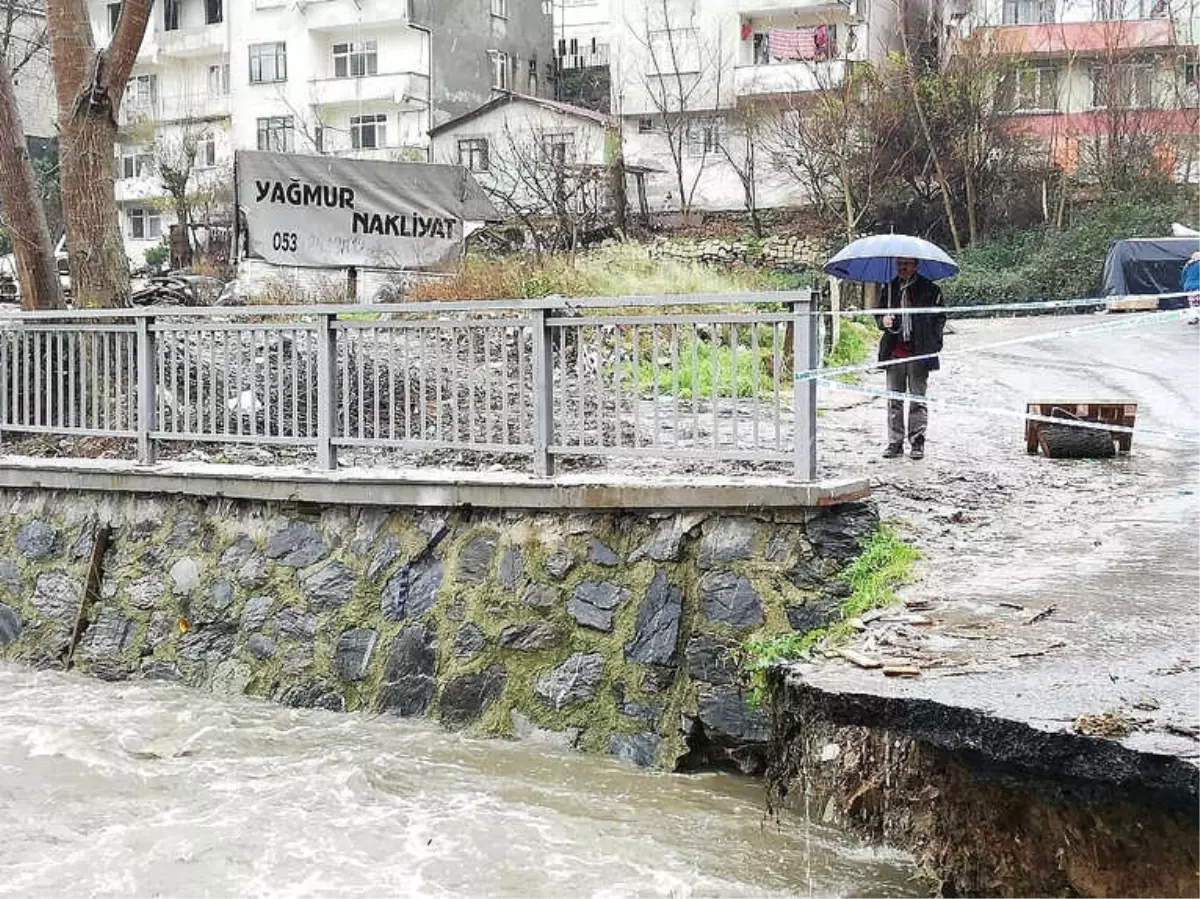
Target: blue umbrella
874 259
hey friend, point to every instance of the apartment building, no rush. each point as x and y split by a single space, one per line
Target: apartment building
360 78
1084 71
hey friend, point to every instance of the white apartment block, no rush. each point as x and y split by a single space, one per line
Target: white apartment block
360 78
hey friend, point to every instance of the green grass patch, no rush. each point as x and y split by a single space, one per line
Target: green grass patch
689 373
885 563
853 347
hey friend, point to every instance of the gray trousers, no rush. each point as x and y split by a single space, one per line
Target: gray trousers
912 377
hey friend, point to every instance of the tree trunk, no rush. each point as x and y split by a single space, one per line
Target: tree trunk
89 86
23 209
620 199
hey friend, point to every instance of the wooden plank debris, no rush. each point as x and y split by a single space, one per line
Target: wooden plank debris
901 670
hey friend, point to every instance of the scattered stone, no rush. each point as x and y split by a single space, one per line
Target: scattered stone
298 545
528 636
599 554
666 543
475 559
830 751
658 680
185 575
560 562
255 612
211 643
254 573
778 545
411 591
709 661
468 642
837 532
540 596
295 623
57 596
109 634
158 669
353 655
410 677
330 587
729 598
387 553
726 712
525 729
186 526
806 618
297 658
261 647
594 602
10 625
370 520
222 595
456 609
657 629
861 659
314 695
38 540
641 749
512 568
573 682
12 584
146 593
1106 724
465 698
727 540
230 678
159 629
238 554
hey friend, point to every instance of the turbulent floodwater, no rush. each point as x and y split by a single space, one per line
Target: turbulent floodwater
151 789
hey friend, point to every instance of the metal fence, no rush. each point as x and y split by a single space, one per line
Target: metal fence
697 377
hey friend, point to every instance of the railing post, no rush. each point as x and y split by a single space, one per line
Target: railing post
543 395
146 385
326 392
804 352
5 374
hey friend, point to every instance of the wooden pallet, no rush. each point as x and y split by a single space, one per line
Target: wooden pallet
1119 414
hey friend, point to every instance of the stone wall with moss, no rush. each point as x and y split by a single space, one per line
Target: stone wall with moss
608 632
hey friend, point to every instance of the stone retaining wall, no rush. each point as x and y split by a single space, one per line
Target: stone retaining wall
783 252
606 632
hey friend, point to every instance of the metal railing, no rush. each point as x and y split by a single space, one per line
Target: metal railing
695 377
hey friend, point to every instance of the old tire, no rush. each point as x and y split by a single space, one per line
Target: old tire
1069 442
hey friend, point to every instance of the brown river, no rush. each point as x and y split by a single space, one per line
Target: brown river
150 789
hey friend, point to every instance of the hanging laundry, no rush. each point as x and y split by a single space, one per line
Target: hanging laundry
794 43
821 40
746 31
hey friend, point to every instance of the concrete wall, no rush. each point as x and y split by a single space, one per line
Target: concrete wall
610 632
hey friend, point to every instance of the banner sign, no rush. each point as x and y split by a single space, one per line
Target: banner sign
321 211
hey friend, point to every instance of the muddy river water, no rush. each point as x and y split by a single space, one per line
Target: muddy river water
150 789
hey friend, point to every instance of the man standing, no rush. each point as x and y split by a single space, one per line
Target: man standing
904 336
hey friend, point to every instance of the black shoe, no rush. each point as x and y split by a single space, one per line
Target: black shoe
894 450
918 449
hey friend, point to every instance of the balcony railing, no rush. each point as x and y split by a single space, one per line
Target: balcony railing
788 78
202 40
175 108
401 88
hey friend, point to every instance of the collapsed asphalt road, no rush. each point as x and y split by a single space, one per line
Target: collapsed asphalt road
1062 594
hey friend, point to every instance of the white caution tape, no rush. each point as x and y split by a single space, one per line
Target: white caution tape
1031 306
1150 318
1176 436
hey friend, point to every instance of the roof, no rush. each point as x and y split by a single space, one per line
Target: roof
590 115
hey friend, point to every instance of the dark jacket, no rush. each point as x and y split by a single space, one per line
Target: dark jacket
926 329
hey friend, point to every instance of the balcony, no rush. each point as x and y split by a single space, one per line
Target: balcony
759 8
1069 38
788 78
405 89
200 41
178 108
342 14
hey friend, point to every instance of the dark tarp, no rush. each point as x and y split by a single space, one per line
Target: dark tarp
1148 266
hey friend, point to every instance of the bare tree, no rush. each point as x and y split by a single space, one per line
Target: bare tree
22 33
90 84
739 147
683 84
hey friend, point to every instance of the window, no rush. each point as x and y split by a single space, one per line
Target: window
214 12
558 148
645 125
499 69
533 77
1125 86
145 224
674 50
368 132
268 62
141 94
206 151
704 137
218 80
135 162
114 16
355 60
170 15
1033 89
1028 12
500 8
277 134
473 153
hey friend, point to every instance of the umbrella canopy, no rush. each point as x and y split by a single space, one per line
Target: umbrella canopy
874 259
